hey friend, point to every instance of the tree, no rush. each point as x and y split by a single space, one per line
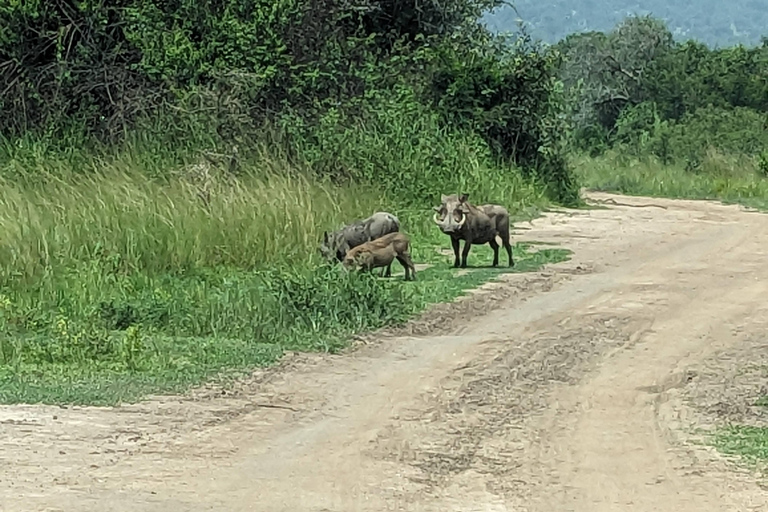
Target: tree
603 73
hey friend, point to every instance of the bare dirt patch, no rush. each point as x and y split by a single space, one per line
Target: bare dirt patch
574 388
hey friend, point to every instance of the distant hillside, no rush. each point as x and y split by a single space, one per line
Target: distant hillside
712 22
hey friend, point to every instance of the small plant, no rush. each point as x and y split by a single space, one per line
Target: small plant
762 163
132 346
693 162
748 442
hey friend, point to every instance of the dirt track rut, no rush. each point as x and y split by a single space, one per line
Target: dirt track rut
562 390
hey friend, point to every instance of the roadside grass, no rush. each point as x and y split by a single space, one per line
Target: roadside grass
730 179
184 329
139 276
747 442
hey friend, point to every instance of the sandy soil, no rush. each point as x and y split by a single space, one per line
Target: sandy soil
577 388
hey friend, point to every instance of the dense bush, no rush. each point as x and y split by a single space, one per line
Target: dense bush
105 70
508 93
93 61
693 77
734 131
634 86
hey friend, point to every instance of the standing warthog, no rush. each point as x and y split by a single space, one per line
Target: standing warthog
380 253
335 245
475 225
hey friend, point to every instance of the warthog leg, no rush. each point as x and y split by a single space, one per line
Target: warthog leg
455 244
495 246
465 253
508 247
386 271
407 263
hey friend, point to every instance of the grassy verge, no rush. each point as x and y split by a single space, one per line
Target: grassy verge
725 178
194 326
114 285
748 443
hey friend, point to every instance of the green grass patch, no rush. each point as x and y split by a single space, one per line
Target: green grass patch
147 335
730 179
750 443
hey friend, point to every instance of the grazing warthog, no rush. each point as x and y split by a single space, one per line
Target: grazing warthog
336 244
380 253
475 225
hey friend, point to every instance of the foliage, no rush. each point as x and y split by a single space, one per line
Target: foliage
748 442
728 178
168 166
634 88
100 65
762 164
99 72
693 77
508 94
605 73
148 267
248 317
729 131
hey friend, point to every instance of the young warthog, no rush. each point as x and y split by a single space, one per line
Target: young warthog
336 244
380 253
475 225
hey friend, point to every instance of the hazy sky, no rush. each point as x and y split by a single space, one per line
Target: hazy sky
715 22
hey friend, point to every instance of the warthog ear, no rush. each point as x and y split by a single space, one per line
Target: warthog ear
463 198
443 198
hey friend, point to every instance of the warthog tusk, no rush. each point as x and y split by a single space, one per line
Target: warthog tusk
463 219
436 219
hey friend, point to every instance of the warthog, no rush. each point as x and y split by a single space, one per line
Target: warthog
380 253
475 225
335 245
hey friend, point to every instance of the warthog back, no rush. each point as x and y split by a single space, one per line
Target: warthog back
380 253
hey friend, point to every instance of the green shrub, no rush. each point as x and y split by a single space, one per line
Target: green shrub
738 131
762 163
508 93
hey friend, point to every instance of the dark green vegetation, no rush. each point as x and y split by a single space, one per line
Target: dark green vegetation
167 170
651 116
714 23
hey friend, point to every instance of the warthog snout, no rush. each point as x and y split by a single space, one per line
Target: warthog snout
451 215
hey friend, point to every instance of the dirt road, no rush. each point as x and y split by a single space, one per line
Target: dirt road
564 390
